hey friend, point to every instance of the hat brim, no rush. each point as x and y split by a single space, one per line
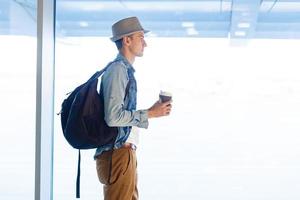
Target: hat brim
126 34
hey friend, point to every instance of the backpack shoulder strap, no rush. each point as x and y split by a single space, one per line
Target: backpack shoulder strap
98 73
78 176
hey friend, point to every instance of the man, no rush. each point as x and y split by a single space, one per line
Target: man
116 168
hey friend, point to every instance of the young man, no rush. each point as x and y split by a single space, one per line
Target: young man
116 168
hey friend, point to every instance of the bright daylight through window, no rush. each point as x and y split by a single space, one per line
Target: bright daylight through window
233 71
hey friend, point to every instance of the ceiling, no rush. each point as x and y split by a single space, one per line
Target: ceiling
234 19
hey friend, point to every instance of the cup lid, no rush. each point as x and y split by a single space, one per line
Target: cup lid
165 93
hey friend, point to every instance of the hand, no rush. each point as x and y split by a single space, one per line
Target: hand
160 109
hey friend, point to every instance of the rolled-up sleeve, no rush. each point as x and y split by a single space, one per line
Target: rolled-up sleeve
114 82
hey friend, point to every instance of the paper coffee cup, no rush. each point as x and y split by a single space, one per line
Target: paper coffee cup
165 96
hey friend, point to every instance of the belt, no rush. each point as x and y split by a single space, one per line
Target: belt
129 145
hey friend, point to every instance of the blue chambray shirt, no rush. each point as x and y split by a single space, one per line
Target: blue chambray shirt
120 111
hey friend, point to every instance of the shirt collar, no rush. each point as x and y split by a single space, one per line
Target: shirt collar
126 62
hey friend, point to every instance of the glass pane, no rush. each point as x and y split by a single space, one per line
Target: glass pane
17 88
233 131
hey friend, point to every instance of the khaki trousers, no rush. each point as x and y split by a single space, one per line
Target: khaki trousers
117 171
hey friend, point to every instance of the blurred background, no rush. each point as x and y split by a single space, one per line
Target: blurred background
231 65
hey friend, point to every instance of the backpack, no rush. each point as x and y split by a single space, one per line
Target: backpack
82 119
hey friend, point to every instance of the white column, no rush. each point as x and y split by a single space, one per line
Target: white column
44 100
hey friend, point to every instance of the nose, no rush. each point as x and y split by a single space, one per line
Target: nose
145 44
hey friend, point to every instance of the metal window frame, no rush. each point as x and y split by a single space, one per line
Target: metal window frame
45 99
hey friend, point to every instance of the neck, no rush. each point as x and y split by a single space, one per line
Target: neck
128 56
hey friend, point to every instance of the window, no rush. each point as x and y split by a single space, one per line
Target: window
18 96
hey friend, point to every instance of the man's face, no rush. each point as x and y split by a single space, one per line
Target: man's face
137 43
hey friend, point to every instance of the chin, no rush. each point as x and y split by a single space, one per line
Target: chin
140 54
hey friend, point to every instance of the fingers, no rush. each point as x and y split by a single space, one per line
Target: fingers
167 106
160 109
167 113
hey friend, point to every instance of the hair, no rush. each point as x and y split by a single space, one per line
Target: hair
119 43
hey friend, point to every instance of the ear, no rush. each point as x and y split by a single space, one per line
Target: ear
126 40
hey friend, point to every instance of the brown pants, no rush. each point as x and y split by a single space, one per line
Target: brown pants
117 172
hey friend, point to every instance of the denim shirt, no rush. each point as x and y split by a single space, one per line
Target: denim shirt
120 110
